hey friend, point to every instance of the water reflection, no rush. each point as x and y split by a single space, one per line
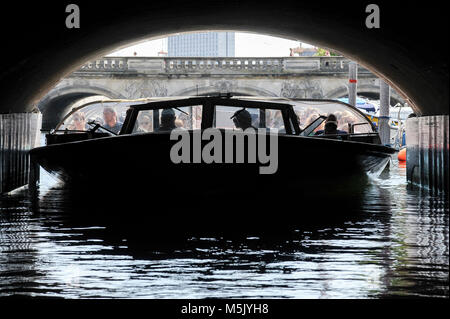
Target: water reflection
394 243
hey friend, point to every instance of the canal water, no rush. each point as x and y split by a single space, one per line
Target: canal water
398 246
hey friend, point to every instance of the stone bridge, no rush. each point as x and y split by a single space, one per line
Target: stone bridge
138 77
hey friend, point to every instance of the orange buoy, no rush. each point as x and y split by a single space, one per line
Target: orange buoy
402 154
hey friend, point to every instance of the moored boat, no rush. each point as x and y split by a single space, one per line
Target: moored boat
136 161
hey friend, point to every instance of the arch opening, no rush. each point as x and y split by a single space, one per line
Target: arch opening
64 101
390 52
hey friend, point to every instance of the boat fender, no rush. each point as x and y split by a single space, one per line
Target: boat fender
402 155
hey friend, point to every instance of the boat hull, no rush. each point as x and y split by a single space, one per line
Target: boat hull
127 158
132 176
123 162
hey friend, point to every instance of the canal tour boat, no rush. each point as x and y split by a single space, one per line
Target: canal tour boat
285 156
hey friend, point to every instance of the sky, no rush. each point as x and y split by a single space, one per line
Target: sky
246 45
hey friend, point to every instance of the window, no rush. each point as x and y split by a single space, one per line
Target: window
223 116
308 111
186 117
258 118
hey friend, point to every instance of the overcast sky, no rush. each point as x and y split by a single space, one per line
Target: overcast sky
247 44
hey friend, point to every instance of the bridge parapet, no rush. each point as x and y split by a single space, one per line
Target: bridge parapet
105 64
176 65
216 66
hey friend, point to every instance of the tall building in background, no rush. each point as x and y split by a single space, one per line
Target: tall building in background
204 44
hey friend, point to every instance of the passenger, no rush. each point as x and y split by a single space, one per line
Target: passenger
331 125
183 121
146 124
346 120
79 122
111 123
308 114
338 115
269 118
179 123
278 122
312 117
167 120
242 119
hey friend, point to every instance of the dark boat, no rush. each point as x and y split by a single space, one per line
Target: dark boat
138 165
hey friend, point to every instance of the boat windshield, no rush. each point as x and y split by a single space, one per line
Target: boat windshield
79 119
260 118
190 117
308 111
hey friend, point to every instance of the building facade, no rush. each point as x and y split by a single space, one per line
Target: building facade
202 44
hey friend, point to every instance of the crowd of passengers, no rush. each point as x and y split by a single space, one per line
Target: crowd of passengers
110 121
335 124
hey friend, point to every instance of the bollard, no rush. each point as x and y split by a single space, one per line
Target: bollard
383 119
352 82
34 178
427 154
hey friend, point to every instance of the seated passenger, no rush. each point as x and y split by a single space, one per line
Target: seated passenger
331 125
179 123
278 123
79 122
145 124
167 120
111 123
242 119
183 121
346 121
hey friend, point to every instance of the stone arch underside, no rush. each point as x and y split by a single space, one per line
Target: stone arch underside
59 101
389 52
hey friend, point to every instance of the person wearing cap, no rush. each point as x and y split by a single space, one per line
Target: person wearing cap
331 125
242 119
167 120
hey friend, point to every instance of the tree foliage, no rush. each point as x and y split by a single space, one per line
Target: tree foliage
325 52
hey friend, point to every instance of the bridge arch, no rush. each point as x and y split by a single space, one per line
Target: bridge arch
369 91
390 52
60 100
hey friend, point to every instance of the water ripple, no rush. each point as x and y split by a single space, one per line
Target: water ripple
397 245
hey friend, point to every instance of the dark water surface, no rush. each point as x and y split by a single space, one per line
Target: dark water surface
396 246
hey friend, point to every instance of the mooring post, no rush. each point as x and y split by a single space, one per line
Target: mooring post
34 177
19 132
352 82
383 120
